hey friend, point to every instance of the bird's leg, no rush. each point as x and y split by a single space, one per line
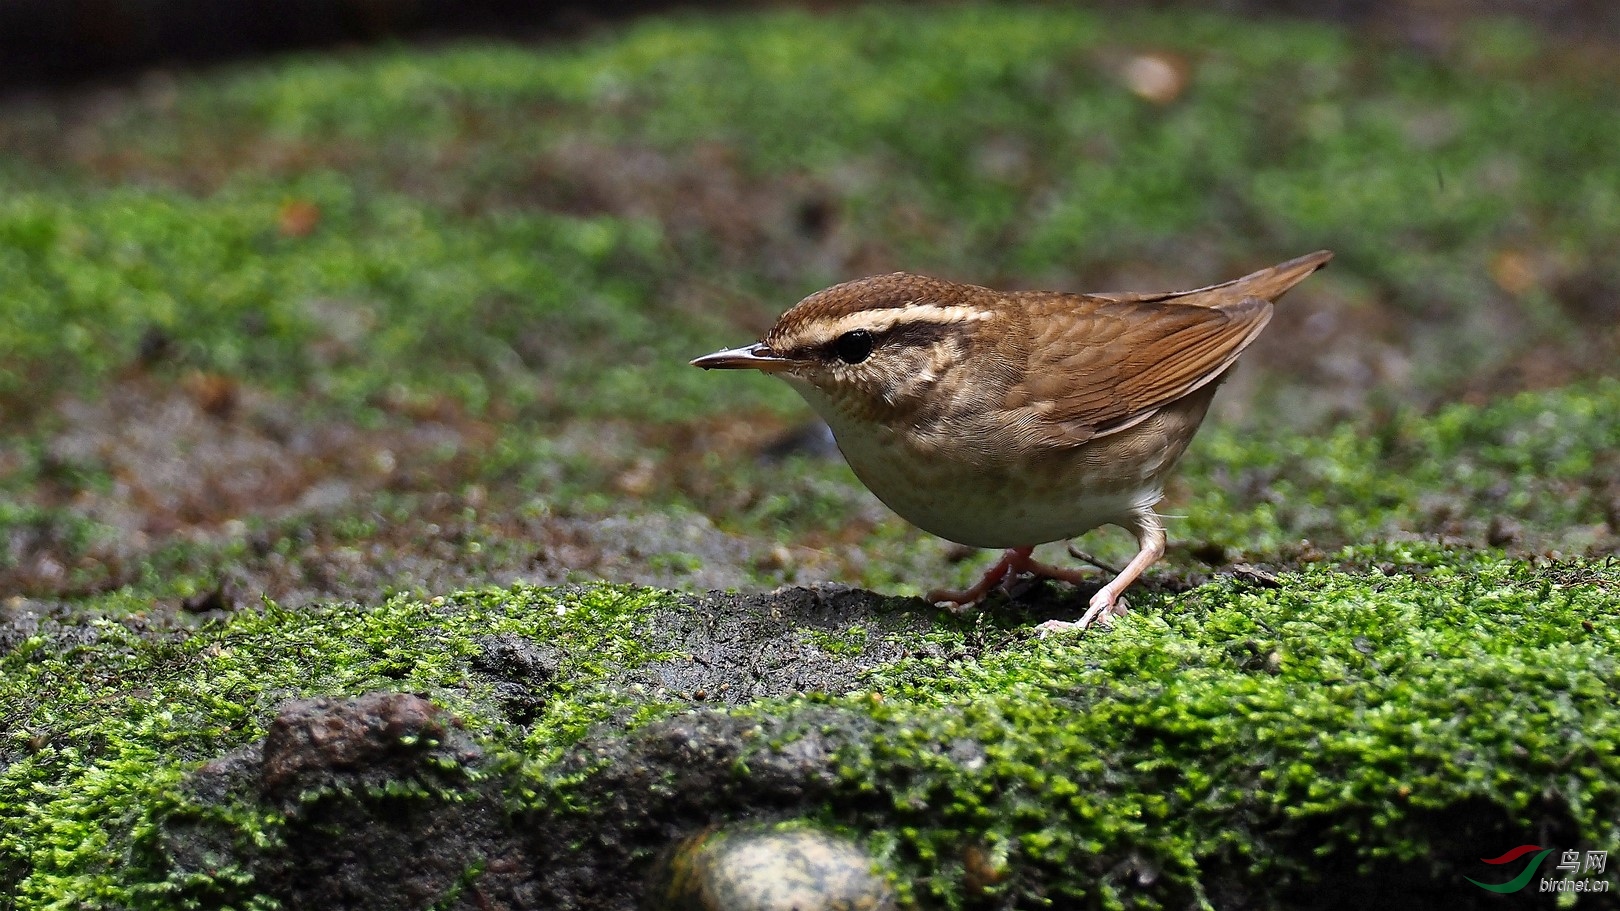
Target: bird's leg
1107 602
1014 561
1048 571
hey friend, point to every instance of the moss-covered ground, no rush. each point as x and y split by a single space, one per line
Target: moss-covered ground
1382 718
312 370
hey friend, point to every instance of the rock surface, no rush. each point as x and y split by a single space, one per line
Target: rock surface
762 870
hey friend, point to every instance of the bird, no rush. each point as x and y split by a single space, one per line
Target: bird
1010 419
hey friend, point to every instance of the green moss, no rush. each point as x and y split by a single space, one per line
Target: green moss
1542 459
851 641
99 734
1335 727
384 292
1328 727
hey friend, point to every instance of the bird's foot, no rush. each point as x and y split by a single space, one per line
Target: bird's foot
1104 607
1013 562
957 601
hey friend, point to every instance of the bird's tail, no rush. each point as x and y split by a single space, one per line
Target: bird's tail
1270 284
1267 285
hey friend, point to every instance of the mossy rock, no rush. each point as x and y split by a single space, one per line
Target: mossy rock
1376 722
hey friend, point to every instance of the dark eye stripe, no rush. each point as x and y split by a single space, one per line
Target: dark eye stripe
920 334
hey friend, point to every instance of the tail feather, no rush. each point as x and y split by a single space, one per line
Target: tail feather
1270 284
1267 284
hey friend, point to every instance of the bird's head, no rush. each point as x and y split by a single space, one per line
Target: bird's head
878 348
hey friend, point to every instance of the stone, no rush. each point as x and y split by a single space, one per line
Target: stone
761 869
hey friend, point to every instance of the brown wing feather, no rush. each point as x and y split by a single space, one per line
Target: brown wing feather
1099 366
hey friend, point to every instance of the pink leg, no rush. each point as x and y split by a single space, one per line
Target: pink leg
1107 602
1014 561
1011 562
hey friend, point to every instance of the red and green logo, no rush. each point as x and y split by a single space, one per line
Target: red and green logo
1525 875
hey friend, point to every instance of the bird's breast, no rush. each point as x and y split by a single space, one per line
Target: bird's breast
961 481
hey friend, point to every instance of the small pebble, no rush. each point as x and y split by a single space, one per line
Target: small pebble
1159 78
754 869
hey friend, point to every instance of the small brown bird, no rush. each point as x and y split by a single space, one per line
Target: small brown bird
1011 419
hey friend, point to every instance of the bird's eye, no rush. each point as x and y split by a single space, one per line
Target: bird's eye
854 346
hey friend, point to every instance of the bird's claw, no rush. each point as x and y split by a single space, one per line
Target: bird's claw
1102 611
1056 626
957 602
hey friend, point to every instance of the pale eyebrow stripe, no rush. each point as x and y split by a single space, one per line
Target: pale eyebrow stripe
877 321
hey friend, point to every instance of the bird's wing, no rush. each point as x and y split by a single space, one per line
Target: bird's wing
1098 366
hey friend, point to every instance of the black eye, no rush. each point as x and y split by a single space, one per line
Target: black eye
854 346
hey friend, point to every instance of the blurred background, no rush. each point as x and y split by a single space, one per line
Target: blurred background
338 300
52 42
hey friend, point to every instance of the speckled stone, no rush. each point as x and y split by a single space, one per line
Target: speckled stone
754 869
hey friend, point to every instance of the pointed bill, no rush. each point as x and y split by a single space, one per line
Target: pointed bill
751 357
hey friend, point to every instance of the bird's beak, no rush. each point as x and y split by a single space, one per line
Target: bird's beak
752 357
